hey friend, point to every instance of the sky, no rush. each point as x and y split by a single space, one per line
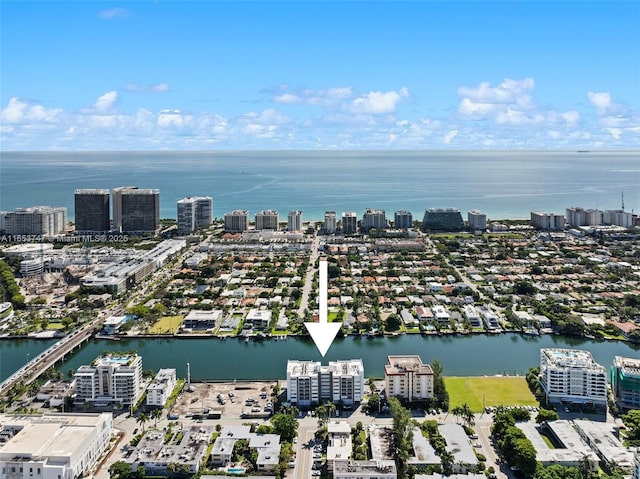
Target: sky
361 75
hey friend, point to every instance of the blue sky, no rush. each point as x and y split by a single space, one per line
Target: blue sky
318 74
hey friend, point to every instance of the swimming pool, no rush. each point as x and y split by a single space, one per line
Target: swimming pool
236 470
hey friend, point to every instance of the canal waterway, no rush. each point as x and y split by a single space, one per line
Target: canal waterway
214 359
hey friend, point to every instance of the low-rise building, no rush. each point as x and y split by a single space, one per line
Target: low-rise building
161 388
159 459
464 457
569 448
49 446
364 470
602 438
339 437
408 378
267 447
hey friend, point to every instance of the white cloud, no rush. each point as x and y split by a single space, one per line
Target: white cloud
485 100
106 102
450 136
21 111
157 88
111 13
508 92
377 102
308 96
601 101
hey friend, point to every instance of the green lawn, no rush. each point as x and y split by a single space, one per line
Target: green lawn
166 325
55 326
493 390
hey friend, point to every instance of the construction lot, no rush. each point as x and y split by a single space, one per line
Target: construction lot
246 400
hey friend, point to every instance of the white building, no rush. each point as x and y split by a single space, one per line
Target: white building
407 377
194 212
442 315
266 445
267 220
330 223
110 378
161 388
308 382
294 220
476 220
339 437
236 221
577 216
572 375
52 446
258 318
37 220
364 470
374 219
618 218
464 457
472 314
547 221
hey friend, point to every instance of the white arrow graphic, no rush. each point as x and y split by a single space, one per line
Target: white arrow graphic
323 333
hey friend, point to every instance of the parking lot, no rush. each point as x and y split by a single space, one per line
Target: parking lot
226 400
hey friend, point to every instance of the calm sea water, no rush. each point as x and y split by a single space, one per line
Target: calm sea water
503 184
213 359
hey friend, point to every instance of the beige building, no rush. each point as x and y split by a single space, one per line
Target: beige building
408 378
236 221
52 446
267 220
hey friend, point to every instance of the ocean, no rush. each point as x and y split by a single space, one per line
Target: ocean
502 184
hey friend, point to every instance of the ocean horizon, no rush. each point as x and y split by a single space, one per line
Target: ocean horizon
504 184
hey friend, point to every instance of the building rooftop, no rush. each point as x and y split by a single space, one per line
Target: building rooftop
458 443
402 364
569 358
50 435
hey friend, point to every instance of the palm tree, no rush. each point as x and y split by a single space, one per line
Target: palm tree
142 419
458 412
155 415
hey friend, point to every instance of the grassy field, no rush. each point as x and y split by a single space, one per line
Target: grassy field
166 325
493 390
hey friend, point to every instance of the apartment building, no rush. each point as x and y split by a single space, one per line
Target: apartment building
194 212
294 221
476 220
267 220
161 388
572 376
92 211
349 222
52 446
341 382
36 220
374 219
330 222
110 378
618 218
236 221
547 221
402 219
407 377
577 216
136 210
625 382
442 219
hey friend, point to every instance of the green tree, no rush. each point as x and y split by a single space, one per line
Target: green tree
286 424
546 415
632 422
402 434
120 470
142 419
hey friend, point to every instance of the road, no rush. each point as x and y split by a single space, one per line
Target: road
308 281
